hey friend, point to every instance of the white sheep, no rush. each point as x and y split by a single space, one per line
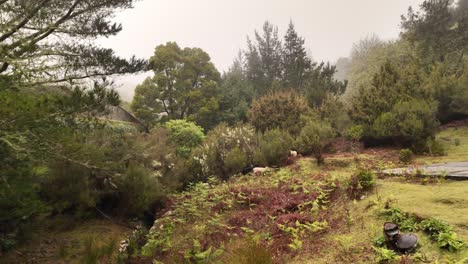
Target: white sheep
293 153
257 171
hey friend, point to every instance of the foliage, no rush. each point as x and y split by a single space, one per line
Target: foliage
198 255
138 190
185 135
443 234
278 110
237 94
271 65
274 146
296 65
450 242
321 83
314 138
406 156
69 186
434 227
333 111
361 182
263 59
184 85
389 109
45 42
435 148
384 255
238 144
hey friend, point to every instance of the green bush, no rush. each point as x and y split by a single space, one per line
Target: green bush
409 122
434 227
70 186
406 156
405 222
315 136
274 146
185 135
385 255
19 200
138 191
450 241
236 160
225 151
456 142
360 182
435 148
443 234
278 110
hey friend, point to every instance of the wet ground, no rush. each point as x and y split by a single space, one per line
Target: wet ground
451 170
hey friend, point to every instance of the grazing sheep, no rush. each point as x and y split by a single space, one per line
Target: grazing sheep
293 153
257 171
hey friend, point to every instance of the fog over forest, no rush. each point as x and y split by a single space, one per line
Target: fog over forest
220 27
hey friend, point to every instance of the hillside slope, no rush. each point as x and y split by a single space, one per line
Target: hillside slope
305 214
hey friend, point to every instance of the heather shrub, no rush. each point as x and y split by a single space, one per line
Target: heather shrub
406 156
278 110
315 136
225 151
139 190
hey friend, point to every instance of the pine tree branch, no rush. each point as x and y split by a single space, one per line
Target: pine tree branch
24 21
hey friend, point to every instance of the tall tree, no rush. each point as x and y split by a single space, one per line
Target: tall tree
237 94
184 85
264 58
47 41
322 83
295 63
439 32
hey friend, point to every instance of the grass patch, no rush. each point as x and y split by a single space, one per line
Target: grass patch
455 141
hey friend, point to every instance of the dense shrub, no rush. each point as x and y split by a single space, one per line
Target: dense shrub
315 136
138 190
360 182
70 186
225 151
434 147
19 199
185 135
406 156
410 122
278 110
333 111
274 147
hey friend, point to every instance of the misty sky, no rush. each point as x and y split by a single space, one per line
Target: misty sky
220 27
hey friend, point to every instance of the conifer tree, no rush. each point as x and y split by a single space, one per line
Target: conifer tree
295 63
